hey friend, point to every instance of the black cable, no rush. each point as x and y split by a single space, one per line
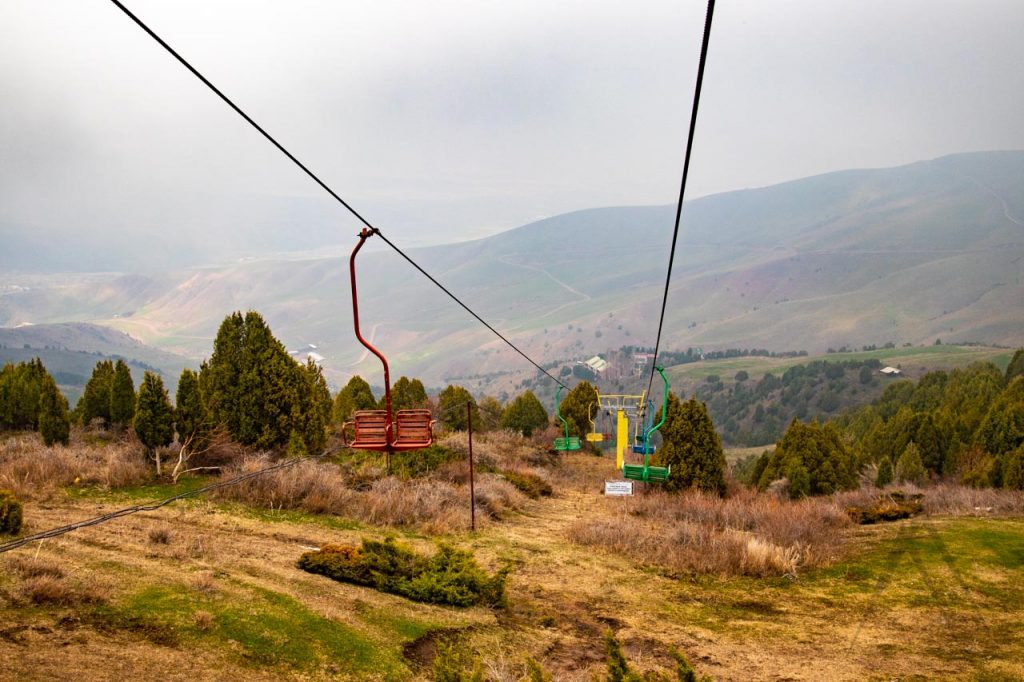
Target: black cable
467 308
312 175
63 530
682 186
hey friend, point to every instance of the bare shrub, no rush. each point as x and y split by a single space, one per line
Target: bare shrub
33 567
747 534
34 471
205 583
203 620
160 536
324 488
48 589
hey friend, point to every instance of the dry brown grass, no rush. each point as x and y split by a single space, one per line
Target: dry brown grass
430 504
746 534
49 589
34 471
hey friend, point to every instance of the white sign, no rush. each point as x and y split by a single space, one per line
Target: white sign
618 487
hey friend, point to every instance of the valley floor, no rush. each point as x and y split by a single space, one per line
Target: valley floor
204 590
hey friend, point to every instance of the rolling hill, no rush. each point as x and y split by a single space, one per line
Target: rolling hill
910 254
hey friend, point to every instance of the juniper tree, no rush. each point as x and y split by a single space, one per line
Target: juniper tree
909 467
122 395
356 395
154 416
576 407
20 388
95 401
691 447
407 394
885 474
490 413
525 414
451 408
813 458
190 419
54 423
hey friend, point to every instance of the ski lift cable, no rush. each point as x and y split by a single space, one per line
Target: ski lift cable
682 185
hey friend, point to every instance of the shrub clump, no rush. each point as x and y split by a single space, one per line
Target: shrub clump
451 576
10 513
530 484
892 507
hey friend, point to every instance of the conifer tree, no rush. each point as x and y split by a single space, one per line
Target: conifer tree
1013 470
1016 366
406 394
691 446
190 418
95 401
885 474
451 408
816 456
909 467
251 386
356 395
525 414
576 406
20 390
54 423
122 395
154 416
490 413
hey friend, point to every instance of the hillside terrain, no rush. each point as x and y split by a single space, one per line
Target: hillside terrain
909 254
70 352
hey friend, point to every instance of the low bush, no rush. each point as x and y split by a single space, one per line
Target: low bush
451 576
528 483
10 513
888 507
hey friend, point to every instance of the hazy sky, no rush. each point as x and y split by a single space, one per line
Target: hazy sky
444 120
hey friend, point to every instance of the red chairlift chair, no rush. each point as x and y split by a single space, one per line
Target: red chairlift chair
384 430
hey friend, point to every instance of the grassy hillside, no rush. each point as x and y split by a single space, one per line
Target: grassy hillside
910 254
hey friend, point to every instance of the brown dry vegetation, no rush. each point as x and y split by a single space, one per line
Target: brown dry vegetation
34 471
745 534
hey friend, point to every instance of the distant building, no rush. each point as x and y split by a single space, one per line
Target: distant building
890 371
640 361
307 353
597 364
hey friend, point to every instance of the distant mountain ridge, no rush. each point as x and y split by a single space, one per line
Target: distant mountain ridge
910 254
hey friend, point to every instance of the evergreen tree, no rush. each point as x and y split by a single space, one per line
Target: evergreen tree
20 391
575 408
885 474
122 395
525 414
315 409
154 416
909 467
816 456
1013 469
190 418
54 423
356 395
1016 366
407 395
451 408
691 447
490 413
95 401
257 391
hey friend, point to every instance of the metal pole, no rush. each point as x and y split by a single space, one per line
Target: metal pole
472 493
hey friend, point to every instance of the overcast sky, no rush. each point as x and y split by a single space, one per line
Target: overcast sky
445 120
